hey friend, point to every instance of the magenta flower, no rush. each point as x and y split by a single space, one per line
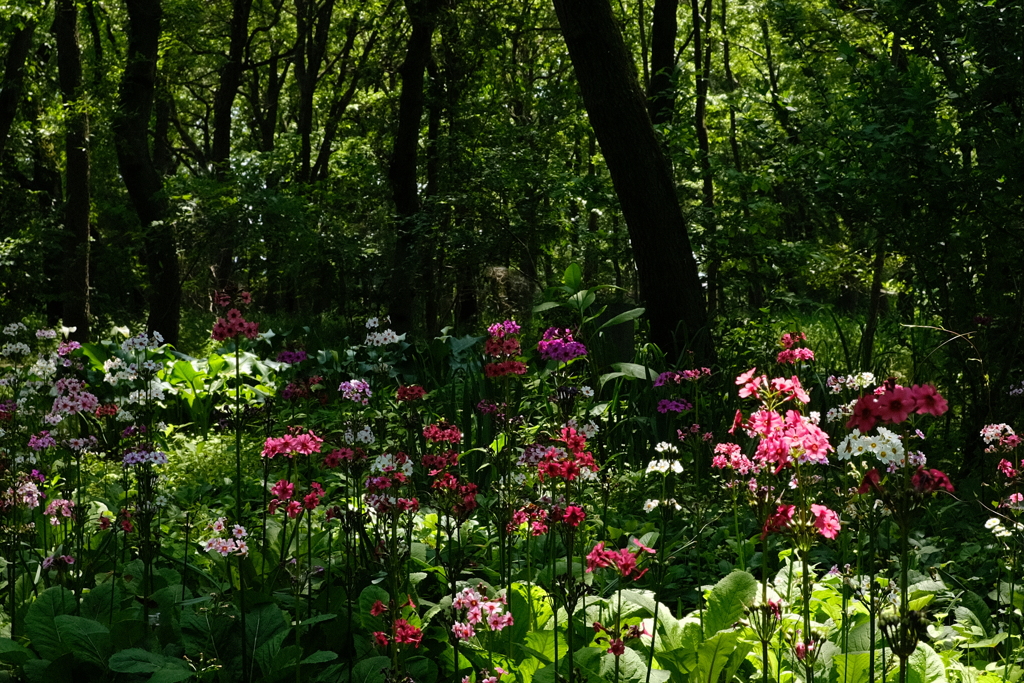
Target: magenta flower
558 344
826 521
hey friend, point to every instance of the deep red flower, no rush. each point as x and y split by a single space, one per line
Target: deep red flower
896 404
929 481
928 400
865 414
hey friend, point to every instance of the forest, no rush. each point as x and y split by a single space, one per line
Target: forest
597 329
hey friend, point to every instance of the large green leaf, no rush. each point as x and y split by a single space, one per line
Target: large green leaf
136 661
88 639
713 656
421 669
598 665
367 598
635 371
853 667
728 600
371 670
266 654
573 277
263 623
925 666
13 653
39 621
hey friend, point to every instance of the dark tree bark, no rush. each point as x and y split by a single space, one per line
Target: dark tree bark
661 94
312 26
227 88
77 198
141 177
666 267
14 78
403 170
702 73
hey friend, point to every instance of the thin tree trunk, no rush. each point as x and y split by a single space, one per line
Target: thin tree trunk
313 24
77 197
141 178
702 73
666 267
867 344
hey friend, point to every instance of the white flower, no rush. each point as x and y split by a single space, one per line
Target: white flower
372 324
666 447
650 504
587 392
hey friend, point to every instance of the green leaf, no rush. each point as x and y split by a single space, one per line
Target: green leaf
136 661
573 277
39 621
321 656
367 598
635 371
88 639
546 306
631 314
263 623
925 666
713 656
598 665
421 669
728 600
266 653
371 670
853 667
14 653
171 675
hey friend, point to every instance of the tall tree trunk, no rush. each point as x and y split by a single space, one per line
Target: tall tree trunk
661 94
77 198
312 26
666 267
403 170
230 78
14 78
141 178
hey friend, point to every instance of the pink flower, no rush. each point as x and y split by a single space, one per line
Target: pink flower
378 608
864 415
929 481
407 633
778 521
928 400
616 647
825 520
463 631
1006 468
573 515
896 404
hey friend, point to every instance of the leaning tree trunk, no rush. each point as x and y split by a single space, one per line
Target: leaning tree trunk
141 178
76 186
666 266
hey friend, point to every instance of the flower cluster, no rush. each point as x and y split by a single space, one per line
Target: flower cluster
60 507
999 437
356 390
304 388
442 432
232 325
228 541
292 357
413 392
570 462
791 353
142 455
824 520
885 445
680 376
284 492
559 345
295 443
459 497
72 399
785 438
836 384
669 405
624 560
476 611
503 345
730 456
894 404
402 632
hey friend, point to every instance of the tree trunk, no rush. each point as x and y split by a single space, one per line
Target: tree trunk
313 24
666 267
76 185
14 78
230 78
702 74
403 170
661 94
141 178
